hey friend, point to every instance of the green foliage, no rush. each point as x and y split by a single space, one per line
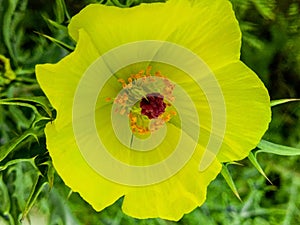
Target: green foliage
256 164
271 31
282 101
268 147
33 32
227 176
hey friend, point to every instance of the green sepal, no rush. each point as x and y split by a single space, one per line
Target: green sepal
282 101
269 147
256 164
227 176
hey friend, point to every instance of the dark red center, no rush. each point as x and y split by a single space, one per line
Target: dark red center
153 105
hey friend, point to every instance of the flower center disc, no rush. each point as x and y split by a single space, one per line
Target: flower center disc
147 101
153 105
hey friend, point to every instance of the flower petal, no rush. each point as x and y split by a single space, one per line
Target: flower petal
213 33
248 110
207 28
75 172
59 81
174 197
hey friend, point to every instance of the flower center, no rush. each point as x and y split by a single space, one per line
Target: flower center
153 105
146 100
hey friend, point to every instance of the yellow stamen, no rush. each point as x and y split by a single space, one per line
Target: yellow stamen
135 128
149 68
121 80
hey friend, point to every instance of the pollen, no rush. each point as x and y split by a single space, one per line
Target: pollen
137 125
146 111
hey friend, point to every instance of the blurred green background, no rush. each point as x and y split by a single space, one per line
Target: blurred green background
28 183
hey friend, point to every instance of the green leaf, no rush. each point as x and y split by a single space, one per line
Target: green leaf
265 8
269 147
61 11
227 176
21 176
50 172
255 163
7 21
40 100
5 205
21 121
282 101
6 102
13 144
16 161
13 14
35 191
60 213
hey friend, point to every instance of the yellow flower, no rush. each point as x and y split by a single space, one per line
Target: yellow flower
150 103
